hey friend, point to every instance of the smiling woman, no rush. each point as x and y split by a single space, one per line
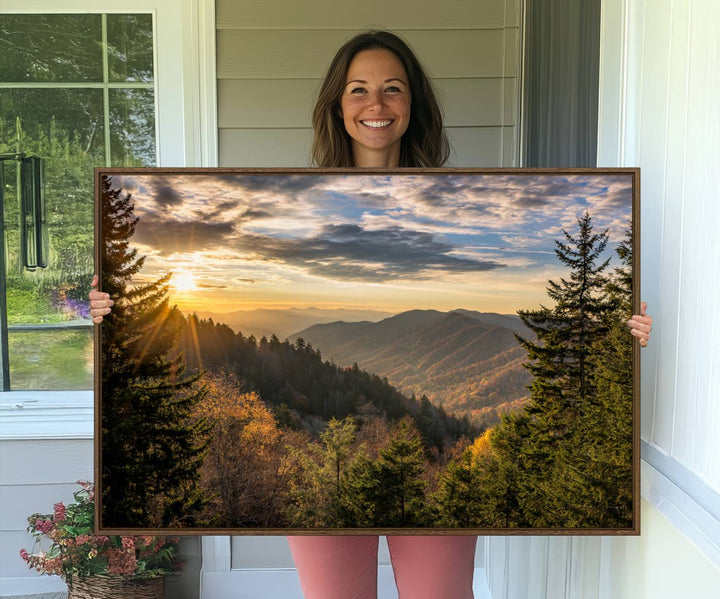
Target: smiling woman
376 108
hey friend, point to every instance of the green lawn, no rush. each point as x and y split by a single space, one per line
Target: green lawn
54 359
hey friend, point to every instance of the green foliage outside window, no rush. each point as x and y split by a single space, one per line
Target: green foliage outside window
59 101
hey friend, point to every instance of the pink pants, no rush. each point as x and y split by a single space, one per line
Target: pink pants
345 567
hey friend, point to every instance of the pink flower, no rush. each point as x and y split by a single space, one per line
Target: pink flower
25 555
121 562
59 509
44 526
53 565
128 543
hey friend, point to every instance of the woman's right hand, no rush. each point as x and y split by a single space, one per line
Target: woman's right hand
100 302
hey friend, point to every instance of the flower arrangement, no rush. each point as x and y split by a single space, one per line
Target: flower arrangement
75 552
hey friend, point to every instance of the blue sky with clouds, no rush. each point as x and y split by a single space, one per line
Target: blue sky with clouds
391 242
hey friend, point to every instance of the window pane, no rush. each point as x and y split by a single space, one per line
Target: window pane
50 48
65 127
130 47
52 359
132 127
51 119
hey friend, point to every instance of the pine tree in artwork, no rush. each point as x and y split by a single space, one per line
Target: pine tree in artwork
400 493
605 477
318 477
337 440
480 490
152 449
562 363
460 497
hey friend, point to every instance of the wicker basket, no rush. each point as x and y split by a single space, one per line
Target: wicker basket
116 587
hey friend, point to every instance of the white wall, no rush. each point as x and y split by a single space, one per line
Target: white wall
660 84
659 564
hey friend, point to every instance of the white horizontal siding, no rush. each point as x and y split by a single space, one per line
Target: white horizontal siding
475 146
293 53
48 461
401 14
265 147
35 475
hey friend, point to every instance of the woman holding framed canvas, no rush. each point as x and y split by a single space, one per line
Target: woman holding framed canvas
377 109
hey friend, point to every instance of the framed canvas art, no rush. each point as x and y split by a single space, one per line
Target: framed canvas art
415 351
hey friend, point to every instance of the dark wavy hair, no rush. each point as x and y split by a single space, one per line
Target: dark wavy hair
424 144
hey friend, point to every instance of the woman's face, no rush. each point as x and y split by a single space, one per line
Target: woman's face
375 107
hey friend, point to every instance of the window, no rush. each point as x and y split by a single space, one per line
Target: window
78 91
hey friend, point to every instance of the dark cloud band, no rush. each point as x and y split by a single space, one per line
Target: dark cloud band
349 252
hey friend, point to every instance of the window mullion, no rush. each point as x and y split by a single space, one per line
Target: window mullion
106 89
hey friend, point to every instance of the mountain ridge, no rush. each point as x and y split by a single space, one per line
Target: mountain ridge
282 322
464 360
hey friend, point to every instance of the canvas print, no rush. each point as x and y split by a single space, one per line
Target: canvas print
426 351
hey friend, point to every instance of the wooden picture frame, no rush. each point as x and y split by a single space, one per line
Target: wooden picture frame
336 351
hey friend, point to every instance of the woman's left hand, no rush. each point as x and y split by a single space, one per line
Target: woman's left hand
641 325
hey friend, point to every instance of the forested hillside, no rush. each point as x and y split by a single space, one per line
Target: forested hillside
304 389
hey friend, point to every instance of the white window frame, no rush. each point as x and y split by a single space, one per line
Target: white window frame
186 135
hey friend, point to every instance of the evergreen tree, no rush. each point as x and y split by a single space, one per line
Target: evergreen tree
318 477
360 509
337 439
460 494
481 490
152 448
602 483
562 364
400 491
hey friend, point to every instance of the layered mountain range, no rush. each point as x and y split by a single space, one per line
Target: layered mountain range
469 362
265 322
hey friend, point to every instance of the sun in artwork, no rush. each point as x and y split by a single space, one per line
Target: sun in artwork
183 282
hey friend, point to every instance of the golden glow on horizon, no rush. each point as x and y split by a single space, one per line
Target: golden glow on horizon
197 289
